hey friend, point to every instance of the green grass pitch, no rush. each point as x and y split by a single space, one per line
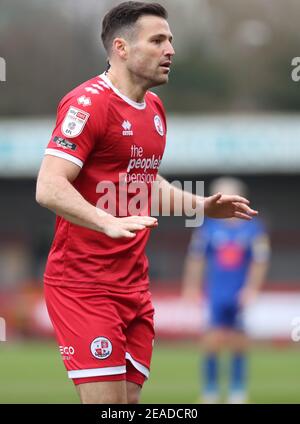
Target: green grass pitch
33 373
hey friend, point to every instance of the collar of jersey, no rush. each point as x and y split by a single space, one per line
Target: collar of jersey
125 98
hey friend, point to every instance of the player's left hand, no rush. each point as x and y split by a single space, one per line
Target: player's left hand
247 296
224 206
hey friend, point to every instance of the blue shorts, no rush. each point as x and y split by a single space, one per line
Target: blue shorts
226 314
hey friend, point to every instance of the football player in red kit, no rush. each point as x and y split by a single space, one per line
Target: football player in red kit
108 141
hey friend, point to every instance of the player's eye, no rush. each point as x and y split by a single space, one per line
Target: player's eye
157 41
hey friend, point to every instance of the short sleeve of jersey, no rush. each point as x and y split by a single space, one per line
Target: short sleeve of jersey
260 247
77 128
199 242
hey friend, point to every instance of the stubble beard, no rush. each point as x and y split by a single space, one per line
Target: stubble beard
150 79
155 81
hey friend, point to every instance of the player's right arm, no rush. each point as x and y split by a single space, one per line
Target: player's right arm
192 276
56 192
194 265
72 141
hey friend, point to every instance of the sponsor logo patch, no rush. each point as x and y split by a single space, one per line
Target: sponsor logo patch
65 144
66 352
74 122
101 348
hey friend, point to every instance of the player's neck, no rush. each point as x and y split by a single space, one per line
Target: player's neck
129 87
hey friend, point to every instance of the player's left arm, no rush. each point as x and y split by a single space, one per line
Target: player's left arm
216 206
258 269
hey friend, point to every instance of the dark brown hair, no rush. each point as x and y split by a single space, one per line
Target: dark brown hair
125 15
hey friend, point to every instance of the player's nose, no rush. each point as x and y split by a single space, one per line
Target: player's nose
169 50
172 51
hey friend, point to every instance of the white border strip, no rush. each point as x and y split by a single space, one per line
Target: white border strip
64 155
96 372
141 368
126 99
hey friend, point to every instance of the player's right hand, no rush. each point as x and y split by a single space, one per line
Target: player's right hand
191 295
127 227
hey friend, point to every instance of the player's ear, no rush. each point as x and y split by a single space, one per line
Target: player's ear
120 47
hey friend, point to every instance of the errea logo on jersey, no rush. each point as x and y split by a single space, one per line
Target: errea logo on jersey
84 101
127 128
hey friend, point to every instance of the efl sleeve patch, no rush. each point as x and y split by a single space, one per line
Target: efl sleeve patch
74 122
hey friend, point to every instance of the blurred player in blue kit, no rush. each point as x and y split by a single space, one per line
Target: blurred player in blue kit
231 258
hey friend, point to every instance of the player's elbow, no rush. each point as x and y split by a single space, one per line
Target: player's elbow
40 197
42 194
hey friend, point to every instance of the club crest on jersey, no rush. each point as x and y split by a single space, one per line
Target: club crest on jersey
127 128
158 125
101 348
74 122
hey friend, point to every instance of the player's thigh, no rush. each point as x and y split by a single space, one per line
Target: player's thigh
216 335
215 339
106 392
238 341
89 330
139 342
133 392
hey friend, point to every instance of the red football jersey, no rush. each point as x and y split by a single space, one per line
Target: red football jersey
114 140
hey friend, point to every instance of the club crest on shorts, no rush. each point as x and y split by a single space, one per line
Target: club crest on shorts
101 348
158 125
74 122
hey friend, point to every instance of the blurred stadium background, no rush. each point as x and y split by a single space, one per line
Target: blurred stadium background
233 109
